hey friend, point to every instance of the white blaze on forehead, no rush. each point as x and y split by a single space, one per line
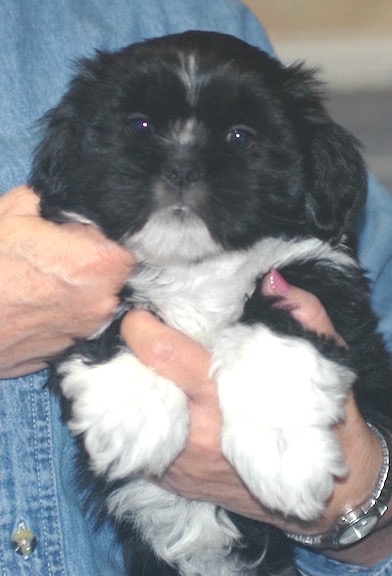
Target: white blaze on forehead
189 76
183 132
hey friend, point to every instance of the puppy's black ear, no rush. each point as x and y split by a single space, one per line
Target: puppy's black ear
334 171
336 181
58 175
50 160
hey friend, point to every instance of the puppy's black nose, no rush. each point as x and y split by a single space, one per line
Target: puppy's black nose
182 176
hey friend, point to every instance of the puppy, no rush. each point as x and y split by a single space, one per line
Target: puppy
213 163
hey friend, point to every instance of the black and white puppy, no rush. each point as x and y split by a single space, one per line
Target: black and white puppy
213 163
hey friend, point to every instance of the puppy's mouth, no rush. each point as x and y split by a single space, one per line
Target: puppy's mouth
180 199
180 211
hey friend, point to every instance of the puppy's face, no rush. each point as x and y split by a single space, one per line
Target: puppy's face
191 144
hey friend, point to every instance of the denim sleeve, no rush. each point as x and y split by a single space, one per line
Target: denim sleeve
314 564
375 250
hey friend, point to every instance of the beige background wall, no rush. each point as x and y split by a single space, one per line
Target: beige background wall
350 40
324 15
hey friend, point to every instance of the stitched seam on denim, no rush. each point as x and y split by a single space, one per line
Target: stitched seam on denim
60 539
47 510
2 564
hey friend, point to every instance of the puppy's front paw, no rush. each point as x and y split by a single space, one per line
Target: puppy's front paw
132 419
280 398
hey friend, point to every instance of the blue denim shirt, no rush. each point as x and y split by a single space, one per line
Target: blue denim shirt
38 43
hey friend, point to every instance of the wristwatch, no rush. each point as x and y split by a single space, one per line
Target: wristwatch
358 522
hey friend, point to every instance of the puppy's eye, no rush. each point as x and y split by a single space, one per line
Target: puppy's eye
140 125
241 136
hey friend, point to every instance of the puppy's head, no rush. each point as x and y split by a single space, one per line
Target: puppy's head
190 144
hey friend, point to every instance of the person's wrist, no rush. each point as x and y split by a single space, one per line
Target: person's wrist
377 545
364 460
364 457
357 521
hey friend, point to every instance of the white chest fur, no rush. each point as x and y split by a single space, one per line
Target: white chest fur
202 299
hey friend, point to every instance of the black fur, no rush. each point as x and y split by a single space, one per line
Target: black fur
271 163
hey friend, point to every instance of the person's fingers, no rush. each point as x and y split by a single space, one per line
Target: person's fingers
303 306
166 350
22 201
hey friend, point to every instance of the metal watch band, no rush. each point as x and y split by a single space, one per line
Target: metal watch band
360 521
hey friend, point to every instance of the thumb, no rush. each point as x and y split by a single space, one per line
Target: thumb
168 351
303 306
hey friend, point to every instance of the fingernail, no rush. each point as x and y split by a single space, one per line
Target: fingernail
278 283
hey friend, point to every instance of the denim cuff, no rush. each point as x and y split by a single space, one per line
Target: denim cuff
314 564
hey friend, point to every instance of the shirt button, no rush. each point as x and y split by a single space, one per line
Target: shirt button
24 541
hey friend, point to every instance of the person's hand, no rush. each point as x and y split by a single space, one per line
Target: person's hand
201 472
58 282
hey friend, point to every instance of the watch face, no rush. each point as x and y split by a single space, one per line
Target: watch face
359 529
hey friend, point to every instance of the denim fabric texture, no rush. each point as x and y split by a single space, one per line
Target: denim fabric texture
313 564
39 41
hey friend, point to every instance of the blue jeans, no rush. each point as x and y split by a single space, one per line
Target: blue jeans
38 43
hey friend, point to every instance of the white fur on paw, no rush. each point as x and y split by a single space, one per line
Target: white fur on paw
280 398
131 418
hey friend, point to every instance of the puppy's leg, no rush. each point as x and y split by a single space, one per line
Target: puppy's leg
131 419
280 399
